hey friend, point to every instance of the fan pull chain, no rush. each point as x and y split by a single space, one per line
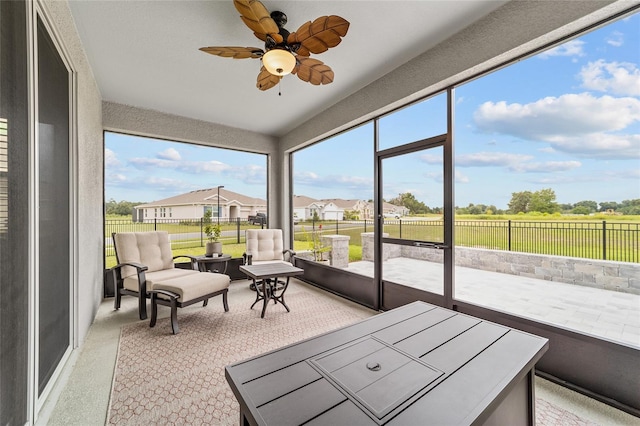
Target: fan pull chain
280 86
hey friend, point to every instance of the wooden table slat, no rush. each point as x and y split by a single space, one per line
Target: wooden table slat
302 405
465 346
346 410
278 383
414 325
427 340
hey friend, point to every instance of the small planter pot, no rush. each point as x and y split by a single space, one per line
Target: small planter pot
213 247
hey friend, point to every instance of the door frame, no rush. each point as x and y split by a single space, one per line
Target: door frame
446 141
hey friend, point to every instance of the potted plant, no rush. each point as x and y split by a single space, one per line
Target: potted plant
212 230
317 250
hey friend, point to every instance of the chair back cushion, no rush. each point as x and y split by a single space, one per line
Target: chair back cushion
152 249
265 244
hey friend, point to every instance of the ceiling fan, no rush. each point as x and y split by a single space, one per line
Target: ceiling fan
285 52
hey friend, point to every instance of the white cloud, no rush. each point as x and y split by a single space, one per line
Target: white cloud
115 178
545 167
600 145
616 39
110 158
193 167
520 163
491 159
461 177
577 123
619 78
169 184
334 181
169 154
570 48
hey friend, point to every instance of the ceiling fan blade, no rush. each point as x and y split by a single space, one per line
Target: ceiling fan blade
319 35
266 80
313 71
235 52
257 18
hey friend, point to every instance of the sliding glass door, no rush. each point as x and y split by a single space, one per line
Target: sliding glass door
54 243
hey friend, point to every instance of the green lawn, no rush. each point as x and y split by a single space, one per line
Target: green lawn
579 236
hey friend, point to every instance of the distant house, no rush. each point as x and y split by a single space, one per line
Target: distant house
357 206
304 208
194 204
301 209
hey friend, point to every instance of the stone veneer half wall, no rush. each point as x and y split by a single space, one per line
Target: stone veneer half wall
607 275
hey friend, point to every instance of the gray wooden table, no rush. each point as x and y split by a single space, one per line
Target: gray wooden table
415 365
265 277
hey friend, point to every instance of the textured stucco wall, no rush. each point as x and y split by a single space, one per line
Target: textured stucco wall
88 184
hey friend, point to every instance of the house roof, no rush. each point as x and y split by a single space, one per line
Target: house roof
300 201
344 204
207 196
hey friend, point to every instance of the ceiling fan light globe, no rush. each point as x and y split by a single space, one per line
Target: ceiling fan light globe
279 62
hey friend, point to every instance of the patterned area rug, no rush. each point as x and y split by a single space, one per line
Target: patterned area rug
164 379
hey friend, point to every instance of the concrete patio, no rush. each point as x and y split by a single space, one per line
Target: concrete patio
610 315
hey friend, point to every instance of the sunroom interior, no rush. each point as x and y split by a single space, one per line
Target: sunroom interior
72 70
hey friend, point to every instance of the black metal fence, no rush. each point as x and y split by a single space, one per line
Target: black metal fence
590 240
184 233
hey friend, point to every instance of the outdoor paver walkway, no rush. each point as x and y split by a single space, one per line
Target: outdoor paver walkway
605 314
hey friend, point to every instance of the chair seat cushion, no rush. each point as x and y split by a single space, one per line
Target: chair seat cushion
192 286
131 283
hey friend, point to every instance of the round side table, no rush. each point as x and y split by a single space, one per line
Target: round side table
204 262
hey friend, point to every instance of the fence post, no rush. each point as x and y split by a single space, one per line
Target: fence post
155 223
400 221
337 230
201 232
365 225
604 240
509 236
238 228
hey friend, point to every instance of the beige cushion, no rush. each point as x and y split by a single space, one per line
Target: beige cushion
264 244
152 249
131 282
194 285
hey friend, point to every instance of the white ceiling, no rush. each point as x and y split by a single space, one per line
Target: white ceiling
145 54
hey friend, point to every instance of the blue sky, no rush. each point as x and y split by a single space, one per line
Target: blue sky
144 169
567 119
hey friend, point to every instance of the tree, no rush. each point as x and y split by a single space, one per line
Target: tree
591 205
581 210
122 208
520 202
544 201
609 205
630 207
409 201
351 215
